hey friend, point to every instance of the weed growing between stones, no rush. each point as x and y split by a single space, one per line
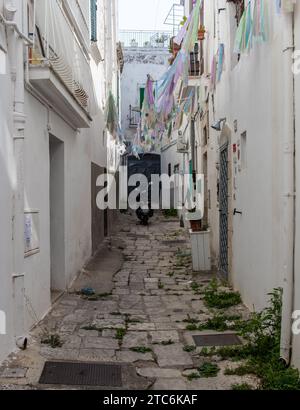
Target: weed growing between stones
242 386
189 348
209 370
214 298
141 349
261 351
53 340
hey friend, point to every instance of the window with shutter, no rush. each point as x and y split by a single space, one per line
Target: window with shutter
93 4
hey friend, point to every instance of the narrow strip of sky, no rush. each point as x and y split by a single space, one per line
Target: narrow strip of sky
144 14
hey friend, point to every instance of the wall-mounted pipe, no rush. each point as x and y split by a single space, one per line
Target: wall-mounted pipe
16 41
287 233
13 25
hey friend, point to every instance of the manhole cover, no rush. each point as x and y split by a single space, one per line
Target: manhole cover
217 340
81 374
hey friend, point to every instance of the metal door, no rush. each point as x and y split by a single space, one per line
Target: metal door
223 203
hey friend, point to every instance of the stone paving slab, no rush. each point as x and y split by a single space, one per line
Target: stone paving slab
151 300
172 356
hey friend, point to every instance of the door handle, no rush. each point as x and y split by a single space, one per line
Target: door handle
235 212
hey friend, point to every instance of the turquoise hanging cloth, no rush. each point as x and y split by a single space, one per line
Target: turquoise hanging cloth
220 61
248 28
240 35
259 21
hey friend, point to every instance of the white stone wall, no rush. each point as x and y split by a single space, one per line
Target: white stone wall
7 180
296 339
81 147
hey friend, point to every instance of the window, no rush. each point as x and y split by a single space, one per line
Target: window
93 5
142 96
30 17
169 170
244 150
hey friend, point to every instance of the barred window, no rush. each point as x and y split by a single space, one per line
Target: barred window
93 4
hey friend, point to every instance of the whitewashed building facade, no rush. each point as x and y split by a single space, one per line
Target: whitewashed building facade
251 163
143 55
58 61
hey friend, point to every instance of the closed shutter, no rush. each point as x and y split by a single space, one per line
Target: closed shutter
142 96
93 20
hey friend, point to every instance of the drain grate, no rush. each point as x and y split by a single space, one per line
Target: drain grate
217 340
82 374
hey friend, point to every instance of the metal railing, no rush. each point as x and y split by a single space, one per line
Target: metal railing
57 44
134 117
196 66
145 38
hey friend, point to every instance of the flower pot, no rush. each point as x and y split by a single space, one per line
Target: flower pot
196 225
201 34
201 257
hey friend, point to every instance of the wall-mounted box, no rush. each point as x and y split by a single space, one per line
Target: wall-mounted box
31 232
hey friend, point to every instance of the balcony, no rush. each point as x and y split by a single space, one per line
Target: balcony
196 65
145 39
134 116
58 66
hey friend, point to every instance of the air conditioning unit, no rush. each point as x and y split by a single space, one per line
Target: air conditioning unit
182 144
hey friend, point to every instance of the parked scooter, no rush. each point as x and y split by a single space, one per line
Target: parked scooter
144 213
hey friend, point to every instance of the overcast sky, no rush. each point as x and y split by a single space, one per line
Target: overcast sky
144 14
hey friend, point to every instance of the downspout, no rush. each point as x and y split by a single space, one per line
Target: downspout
288 194
16 42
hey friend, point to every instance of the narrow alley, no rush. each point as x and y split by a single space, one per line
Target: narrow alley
149 207
141 324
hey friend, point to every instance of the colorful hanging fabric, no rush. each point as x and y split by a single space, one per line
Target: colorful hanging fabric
213 72
259 21
287 6
157 117
220 61
180 36
248 28
240 35
112 118
278 6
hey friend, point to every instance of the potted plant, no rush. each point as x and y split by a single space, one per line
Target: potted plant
201 33
195 218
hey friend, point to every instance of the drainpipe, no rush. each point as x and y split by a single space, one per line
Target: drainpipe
16 42
288 194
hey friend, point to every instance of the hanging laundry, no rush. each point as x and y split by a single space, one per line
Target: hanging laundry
160 108
112 118
259 20
220 61
287 6
213 73
240 35
278 6
248 28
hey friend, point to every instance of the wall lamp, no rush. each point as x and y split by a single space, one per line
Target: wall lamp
217 126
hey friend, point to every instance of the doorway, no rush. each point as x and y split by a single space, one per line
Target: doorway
223 203
57 214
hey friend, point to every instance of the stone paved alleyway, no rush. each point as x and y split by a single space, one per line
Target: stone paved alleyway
142 322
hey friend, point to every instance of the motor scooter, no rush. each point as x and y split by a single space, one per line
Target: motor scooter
144 212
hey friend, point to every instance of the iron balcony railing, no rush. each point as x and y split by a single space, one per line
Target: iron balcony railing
145 38
134 117
196 67
56 44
